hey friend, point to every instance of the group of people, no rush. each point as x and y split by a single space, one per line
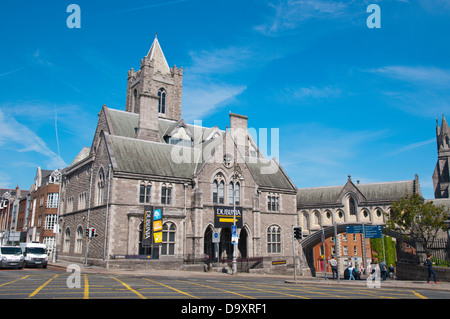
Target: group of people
385 272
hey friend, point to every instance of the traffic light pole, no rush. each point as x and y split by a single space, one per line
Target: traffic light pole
293 249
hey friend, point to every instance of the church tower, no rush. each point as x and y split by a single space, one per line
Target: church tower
441 176
154 92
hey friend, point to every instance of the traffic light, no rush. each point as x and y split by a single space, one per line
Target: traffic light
298 233
93 232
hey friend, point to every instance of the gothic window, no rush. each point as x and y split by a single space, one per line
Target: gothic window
221 192
66 240
162 101
168 240
79 240
215 192
352 206
274 239
234 190
135 101
100 186
166 194
145 193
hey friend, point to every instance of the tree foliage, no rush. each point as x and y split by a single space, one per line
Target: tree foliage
417 220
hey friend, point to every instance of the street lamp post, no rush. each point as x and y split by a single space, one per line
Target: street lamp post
236 176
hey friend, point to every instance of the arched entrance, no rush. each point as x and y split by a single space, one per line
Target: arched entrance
242 245
225 247
208 246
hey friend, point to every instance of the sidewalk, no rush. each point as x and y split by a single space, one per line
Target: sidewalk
301 280
383 284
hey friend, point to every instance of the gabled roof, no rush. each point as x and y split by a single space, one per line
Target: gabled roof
374 192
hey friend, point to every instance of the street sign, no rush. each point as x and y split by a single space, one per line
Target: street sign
354 229
374 231
216 237
371 231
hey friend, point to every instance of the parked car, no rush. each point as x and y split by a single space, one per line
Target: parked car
356 273
10 257
35 254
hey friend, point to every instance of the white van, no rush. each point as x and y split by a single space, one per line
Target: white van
11 256
35 254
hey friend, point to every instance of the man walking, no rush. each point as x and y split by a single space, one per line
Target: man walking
429 265
333 264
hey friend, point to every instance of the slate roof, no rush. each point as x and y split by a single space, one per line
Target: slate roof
136 156
374 192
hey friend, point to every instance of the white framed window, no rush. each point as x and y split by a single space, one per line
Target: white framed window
66 240
50 221
274 239
52 200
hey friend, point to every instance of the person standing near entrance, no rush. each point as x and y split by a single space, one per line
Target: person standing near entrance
333 264
429 264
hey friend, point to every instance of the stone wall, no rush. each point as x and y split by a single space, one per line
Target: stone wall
408 271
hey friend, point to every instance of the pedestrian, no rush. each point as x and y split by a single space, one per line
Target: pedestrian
333 264
391 272
429 264
383 269
350 269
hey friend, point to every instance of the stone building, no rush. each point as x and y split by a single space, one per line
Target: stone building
147 159
351 203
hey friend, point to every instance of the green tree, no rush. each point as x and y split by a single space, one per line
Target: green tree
389 249
418 220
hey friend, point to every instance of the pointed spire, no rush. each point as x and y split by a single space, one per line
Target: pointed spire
156 54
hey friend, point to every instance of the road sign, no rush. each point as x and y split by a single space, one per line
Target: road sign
371 231
216 237
374 231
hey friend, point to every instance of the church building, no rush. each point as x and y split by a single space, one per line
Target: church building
153 191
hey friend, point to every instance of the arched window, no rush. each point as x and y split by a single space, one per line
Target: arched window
162 101
135 97
100 186
234 192
352 206
79 240
145 190
274 239
168 241
66 240
221 192
215 192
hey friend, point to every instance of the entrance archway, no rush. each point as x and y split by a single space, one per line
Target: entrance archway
208 247
242 245
225 249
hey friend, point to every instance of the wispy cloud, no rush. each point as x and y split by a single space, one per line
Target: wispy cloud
416 74
314 92
25 140
418 90
412 146
289 14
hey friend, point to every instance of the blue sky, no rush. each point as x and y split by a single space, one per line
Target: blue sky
346 99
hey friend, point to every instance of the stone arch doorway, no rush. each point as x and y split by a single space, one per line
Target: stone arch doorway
225 247
242 245
208 246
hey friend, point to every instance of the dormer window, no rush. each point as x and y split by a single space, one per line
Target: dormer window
162 101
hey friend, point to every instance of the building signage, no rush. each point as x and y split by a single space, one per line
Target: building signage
152 230
224 216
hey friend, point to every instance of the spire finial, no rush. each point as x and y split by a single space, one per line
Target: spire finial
156 35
